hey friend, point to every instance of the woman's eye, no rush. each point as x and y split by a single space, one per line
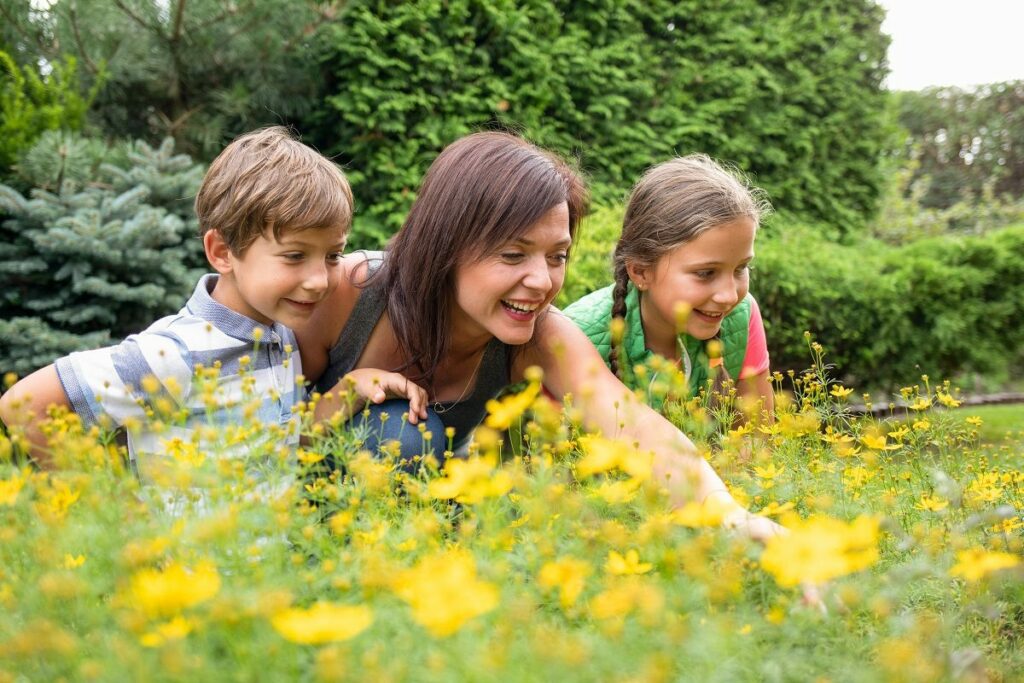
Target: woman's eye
512 257
705 274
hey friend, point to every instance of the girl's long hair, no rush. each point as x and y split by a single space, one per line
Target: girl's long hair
482 191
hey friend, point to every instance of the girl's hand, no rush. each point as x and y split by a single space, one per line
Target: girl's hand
376 386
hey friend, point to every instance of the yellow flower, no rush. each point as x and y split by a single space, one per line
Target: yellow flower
774 508
168 591
324 622
877 442
839 391
820 549
620 565
626 596
175 629
502 413
921 403
444 592
947 400
618 492
9 489
73 561
931 503
568 575
898 434
603 455
975 420
470 480
976 563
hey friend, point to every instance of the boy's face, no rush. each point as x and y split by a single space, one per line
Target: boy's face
280 281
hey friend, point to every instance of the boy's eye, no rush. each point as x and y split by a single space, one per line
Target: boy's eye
745 268
294 256
559 259
334 257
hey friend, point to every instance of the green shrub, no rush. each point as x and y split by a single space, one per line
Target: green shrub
89 262
942 306
31 103
792 93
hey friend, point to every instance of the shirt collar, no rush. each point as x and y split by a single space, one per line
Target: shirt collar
228 321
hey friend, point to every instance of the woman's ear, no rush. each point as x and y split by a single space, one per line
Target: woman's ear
218 253
639 274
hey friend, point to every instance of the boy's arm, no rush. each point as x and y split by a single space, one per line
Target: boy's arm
24 407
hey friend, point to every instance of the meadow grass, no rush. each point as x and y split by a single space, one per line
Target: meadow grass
559 561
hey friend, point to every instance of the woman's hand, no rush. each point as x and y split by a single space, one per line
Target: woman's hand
375 386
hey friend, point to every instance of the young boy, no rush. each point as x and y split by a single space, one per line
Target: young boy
274 215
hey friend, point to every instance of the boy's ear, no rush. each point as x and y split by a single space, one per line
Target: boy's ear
639 274
217 252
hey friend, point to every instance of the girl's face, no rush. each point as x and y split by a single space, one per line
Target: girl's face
501 293
710 273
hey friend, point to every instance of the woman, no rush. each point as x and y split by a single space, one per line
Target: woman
461 304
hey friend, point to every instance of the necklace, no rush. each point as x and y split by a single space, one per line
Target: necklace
439 409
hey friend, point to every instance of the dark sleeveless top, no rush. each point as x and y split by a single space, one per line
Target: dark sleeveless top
492 376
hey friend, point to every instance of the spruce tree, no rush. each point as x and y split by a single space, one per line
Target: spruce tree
87 263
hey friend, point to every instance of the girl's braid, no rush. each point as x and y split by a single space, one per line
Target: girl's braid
618 309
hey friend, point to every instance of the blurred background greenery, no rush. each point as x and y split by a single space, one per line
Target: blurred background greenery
899 233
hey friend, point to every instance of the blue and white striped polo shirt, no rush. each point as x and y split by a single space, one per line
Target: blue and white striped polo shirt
246 407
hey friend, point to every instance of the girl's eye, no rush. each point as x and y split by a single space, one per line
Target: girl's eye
705 274
746 268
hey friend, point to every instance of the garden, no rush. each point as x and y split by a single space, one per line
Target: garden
890 276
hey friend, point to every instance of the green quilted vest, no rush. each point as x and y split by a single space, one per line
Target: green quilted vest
593 314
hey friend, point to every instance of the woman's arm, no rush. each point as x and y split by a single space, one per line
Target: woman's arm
571 364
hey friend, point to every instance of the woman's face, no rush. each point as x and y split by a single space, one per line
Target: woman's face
501 293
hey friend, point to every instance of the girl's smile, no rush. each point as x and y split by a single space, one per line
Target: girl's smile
710 274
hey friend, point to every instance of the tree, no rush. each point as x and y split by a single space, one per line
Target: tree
200 71
788 90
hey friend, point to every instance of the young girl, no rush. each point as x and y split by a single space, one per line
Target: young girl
460 303
685 250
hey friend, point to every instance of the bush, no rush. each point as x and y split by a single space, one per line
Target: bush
943 306
84 263
31 103
790 94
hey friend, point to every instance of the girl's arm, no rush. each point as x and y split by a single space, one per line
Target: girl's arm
571 364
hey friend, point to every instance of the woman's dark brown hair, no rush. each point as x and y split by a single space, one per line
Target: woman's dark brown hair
482 191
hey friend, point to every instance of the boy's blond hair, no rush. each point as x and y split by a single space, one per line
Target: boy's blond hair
268 179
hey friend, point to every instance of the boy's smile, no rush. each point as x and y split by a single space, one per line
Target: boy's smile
280 281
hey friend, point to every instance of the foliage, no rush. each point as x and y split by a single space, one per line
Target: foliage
31 103
789 92
903 218
944 306
86 258
200 71
565 563
966 144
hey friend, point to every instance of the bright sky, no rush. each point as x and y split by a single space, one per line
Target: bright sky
954 42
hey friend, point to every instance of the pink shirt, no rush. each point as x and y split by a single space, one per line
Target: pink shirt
756 360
